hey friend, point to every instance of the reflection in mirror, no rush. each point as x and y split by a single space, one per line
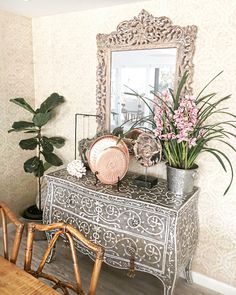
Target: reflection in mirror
142 71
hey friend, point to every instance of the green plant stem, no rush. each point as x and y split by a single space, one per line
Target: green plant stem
186 156
39 177
39 192
168 155
174 152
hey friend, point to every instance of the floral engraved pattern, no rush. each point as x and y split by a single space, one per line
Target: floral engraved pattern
128 223
187 231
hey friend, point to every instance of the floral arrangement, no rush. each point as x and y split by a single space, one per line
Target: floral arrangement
76 168
184 124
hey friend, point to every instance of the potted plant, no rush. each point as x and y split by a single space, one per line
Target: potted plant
45 156
186 127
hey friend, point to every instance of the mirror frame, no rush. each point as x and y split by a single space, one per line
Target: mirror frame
142 32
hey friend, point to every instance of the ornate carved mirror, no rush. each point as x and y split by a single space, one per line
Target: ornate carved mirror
143 54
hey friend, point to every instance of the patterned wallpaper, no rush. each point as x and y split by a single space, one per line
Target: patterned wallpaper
65 61
16 80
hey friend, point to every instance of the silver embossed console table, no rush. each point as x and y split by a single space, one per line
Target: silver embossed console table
151 230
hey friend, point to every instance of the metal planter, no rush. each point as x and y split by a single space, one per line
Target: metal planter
181 181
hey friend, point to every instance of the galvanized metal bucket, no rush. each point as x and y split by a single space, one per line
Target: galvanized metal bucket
181 181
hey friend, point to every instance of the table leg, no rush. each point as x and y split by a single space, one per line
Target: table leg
168 290
188 272
169 287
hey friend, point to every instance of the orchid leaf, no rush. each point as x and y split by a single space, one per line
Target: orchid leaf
208 85
180 88
220 160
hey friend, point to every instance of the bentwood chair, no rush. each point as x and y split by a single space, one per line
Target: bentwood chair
71 233
5 216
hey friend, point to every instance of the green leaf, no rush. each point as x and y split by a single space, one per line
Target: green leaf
41 119
57 141
28 144
22 103
180 88
225 142
46 145
171 91
47 166
52 159
31 165
202 99
211 109
230 165
207 102
212 151
118 131
51 102
208 85
227 113
21 125
39 172
141 97
30 131
163 101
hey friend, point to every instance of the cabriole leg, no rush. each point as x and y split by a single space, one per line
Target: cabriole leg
188 272
169 290
169 287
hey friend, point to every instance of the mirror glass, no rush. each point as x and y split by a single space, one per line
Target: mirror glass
142 71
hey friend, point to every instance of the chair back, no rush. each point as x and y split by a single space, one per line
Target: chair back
71 233
7 215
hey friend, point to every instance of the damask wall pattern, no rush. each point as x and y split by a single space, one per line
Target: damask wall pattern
65 61
16 80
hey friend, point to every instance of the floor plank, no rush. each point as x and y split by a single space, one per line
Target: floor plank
112 281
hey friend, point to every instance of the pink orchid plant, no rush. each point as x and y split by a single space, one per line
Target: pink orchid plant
184 125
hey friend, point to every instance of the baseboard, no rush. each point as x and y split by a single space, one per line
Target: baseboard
212 284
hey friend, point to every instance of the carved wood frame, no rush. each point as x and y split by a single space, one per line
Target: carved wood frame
142 32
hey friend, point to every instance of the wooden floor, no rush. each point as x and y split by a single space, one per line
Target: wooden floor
112 281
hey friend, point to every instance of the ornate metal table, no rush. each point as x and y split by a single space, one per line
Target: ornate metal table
149 230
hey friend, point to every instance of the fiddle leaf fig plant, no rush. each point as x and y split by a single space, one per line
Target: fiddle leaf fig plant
45 156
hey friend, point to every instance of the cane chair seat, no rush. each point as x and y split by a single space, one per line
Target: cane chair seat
7 215
70 233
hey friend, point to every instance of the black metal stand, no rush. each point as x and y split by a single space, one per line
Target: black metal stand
118 184
96 181
77 115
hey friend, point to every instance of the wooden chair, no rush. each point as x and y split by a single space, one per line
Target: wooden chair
7 214
71 233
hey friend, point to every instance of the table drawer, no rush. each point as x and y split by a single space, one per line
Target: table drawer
114 215
119 245
133 220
